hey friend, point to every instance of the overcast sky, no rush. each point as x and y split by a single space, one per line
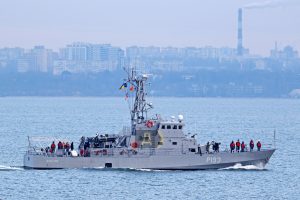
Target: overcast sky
178 23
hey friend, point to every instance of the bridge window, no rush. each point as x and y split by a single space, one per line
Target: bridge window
168 126
174 143
163 127
192 150
175 127
180 127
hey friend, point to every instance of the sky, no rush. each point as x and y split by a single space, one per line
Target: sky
177 23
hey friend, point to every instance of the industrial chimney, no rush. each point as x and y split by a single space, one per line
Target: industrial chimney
240 48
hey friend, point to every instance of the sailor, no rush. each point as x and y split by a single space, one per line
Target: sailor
232 146
207 147
213 144
251 145
238 145
243 146
199 150
52 147
258 145
217 146
81 144
81 152
67 146
60 145
72 146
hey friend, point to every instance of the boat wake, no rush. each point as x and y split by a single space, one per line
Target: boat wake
124 169
239 166
9 168
149 170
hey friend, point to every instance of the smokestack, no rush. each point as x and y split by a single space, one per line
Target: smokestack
240 48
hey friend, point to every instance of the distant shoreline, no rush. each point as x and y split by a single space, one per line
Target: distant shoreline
188 97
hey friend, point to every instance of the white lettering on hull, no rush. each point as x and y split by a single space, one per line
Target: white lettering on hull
213 159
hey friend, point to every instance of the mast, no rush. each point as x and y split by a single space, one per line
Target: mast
140 107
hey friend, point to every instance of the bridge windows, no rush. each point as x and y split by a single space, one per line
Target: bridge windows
169 126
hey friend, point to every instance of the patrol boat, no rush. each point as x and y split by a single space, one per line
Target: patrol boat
149 143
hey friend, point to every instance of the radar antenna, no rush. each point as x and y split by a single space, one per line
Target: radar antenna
138 110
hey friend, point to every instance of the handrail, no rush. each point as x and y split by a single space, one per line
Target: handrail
94 152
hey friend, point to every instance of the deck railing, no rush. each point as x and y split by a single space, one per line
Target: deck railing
122 152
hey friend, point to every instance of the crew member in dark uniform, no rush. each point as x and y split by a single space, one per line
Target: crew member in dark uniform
72 146
199 150
207 147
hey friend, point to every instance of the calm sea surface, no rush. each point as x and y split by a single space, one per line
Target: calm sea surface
220 120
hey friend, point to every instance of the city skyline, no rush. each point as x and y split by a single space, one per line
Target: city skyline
83 57
149 23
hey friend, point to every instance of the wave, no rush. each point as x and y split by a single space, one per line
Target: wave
239 166
9 168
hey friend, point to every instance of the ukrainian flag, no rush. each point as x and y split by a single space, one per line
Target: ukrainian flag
124 85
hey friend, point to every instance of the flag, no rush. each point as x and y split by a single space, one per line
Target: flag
131 88
124 85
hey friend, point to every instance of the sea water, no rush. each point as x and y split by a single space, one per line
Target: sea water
217 119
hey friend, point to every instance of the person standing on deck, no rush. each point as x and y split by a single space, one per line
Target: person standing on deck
238 145
232 146
67 146
199 150
72 146
258 145
52 150
207 147
243 146
251 145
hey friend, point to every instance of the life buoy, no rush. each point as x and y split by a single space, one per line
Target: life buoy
149 124
134 145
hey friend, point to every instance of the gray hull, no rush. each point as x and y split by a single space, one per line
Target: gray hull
162 162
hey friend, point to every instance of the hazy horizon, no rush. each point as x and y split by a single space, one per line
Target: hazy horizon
160 23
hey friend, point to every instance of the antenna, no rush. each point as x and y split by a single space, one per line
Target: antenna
274 138
139 107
